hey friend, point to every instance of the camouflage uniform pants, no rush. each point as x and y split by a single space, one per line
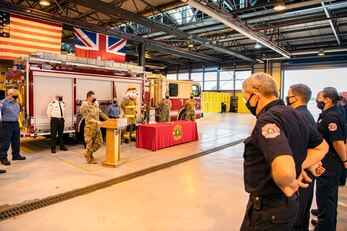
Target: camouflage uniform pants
93 139
164 118
190 117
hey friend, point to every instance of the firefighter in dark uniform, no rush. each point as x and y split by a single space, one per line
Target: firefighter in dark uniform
55 112
281 145
343 103
332 126
298 97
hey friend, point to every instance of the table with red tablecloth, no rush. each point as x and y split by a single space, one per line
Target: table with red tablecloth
161 135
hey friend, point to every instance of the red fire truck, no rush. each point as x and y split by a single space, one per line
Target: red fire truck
47 73
179 92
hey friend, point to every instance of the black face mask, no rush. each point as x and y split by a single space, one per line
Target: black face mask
114 102
320 105
93 100
167 97
15 97
287 99
252 109
60 98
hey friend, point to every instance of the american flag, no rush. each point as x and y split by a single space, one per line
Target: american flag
21 36
99 46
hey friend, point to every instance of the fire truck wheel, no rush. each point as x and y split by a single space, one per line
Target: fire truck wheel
182 115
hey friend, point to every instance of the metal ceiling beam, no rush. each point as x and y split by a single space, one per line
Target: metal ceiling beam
105 8
162 8
218 14
260 10
161 59
331 23
290 14
155 45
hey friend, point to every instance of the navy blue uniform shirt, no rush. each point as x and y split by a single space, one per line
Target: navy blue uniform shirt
279 130
332 126
307 115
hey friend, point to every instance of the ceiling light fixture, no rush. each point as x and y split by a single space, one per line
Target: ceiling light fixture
257 45
321 52
44 2
279 5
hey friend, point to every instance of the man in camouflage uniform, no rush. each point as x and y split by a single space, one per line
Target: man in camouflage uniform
190 106
164 109
92 132
129 105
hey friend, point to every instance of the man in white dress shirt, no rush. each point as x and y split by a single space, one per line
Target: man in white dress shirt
55 113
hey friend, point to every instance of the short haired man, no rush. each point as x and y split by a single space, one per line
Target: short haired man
298 97
281 145
92 132
10 131
190 107
56 112
113 110
164 109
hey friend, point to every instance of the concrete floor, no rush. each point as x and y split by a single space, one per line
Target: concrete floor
202 194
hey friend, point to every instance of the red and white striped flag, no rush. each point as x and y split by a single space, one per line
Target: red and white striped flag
20 36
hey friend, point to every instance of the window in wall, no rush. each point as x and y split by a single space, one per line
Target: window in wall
240 77
210 81
171 76
197 76
210 86
226 80
173 89
211 76
183 76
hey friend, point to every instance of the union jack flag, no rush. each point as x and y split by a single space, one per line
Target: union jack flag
99 46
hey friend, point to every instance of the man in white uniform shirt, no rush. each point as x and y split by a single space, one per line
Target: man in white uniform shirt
55 113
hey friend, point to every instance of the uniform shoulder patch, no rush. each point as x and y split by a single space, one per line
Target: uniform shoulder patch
332 127
270 131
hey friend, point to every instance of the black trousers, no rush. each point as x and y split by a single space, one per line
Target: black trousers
305 202
57 126
272 214
10 134
327 198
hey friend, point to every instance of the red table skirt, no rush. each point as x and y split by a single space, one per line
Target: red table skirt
161 135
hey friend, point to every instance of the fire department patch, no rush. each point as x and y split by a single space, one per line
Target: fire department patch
270 131
177 132
332 127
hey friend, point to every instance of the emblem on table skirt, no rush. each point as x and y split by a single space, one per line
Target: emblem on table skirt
177 132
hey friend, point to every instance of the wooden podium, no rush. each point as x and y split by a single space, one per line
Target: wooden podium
113 136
